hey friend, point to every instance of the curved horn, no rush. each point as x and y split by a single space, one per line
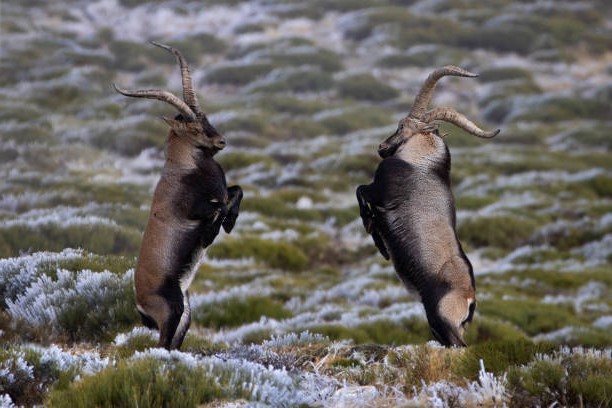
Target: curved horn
164 96
425 93
456 118
189 95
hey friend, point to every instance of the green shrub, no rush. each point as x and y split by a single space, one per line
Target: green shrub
507 232
555 280
99 316
195 46
578 378
238 160
289 104
236 312
258 124
345 5
278 208
238 74
426 58
473 202
378 332
529 315
28 377
601 185
366 87
96 238
303 81
566 108
325 60
140 383
498 356
39 131
130 56
503 38
423 364
93 262
596 137
403 27
356 119
504 73
133 140
276 254
484 329
564 239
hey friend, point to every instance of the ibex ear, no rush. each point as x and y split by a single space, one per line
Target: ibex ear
174 124
428 128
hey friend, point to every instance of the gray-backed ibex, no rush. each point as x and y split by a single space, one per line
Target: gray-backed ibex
190 204
409 210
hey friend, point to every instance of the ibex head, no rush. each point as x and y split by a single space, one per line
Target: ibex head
418 121
191 124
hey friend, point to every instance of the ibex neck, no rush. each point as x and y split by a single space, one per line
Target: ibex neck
423 151
179 152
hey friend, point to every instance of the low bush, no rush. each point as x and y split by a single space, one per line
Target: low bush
96 238
238 74
290 104
568 378
276 254
366 87
379 332
77 306
485 329
325 60
506 232
356 119
566 108
596 137
300 82
503 74
236 312
499 356
501 38
531 316
140 383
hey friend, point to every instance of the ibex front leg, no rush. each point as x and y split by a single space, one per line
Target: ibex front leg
368 218
233 205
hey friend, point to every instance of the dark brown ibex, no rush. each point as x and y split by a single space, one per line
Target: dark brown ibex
409 210
190 204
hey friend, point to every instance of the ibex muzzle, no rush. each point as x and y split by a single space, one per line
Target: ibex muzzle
190 204
409 210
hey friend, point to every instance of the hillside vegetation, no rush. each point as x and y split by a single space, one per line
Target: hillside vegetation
296 307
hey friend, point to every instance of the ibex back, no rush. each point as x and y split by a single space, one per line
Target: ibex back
409 211
190 204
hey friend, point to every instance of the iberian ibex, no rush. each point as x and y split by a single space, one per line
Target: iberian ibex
409 210
190 204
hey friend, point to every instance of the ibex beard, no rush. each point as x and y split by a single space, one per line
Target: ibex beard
409 210
190 205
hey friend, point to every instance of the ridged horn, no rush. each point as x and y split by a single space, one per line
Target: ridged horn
423 98
160 95
457 119
189 95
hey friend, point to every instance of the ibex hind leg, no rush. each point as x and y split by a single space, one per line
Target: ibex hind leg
169 320
168 327
147 321
183 324
163 313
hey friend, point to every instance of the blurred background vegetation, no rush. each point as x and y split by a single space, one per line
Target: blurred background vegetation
304 92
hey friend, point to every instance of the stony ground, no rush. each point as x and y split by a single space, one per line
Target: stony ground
295 306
